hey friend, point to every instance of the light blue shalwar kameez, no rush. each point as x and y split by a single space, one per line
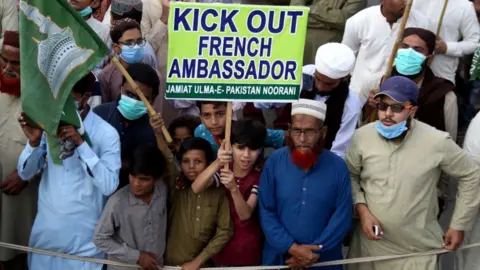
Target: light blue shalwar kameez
72 196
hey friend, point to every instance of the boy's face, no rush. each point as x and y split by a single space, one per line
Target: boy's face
194 163
244 157
180 135
141 185
214 117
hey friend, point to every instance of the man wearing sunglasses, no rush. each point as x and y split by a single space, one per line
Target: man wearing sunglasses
395 166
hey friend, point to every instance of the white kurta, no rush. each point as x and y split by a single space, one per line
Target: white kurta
371 38
459 22
17 212
398 183
469 259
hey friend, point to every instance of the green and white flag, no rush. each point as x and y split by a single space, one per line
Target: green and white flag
57 49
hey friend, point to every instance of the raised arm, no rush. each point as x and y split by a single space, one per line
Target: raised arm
104 168
209 175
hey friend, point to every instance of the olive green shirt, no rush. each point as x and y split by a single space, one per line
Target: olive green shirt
200 224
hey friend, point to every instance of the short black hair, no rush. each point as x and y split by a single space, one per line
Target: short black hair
196 144
146 159
122 26
145 74
249 133
85 84
188 121
132 14
426 35
214 103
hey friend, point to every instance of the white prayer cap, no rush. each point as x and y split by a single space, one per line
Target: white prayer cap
334 60
313 108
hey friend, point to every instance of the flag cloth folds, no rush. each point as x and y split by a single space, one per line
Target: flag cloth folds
57 48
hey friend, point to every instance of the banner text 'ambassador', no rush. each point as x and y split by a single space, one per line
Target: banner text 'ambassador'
235 52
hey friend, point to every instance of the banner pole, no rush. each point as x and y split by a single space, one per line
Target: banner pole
228 130
151 110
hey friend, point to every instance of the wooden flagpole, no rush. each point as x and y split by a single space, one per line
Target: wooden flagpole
228 130
440 22
151 110
406 13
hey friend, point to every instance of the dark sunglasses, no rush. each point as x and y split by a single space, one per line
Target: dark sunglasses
396 107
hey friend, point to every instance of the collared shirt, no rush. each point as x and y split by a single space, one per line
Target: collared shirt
129 226
459 22
200 225
72 196
275 138
397 181
137 132
371 38
307 208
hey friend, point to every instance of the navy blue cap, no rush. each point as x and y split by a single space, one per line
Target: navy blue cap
400 89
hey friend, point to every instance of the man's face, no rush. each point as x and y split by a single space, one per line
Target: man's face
416 43
10 61
325 84
388 117
141 185
180 134
127 90
305 132
214 117
396 7
81 4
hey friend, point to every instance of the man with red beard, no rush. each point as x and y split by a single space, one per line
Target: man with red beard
18 199
305 195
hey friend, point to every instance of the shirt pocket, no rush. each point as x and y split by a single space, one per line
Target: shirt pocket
207 223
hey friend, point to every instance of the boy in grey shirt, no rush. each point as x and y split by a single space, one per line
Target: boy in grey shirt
133 225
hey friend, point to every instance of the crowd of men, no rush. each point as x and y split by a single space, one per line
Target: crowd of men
364 161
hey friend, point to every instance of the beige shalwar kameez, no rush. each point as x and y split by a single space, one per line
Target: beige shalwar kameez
398 184
17 212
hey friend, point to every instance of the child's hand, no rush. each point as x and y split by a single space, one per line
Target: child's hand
193 265
228 180
157 123
148 261
224 156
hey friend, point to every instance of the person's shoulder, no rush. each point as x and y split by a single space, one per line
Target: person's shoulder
107 130
366 130
103 110
119 197
365 13
200 130
278 154
428 132
333 159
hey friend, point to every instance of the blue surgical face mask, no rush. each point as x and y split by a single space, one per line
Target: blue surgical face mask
391 132
87 11
130 108
409 62
132 55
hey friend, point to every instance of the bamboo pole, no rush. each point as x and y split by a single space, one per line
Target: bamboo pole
150 109
440 21
228 130
406 14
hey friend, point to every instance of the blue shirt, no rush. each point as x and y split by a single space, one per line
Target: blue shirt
72 196
313 208
275 138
